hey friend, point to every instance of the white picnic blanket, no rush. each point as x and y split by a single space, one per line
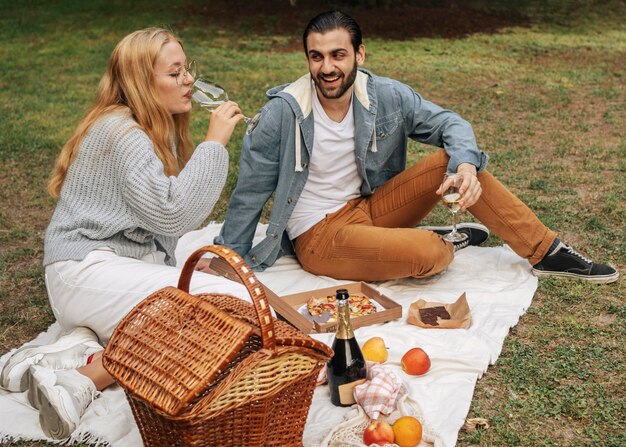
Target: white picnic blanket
499 289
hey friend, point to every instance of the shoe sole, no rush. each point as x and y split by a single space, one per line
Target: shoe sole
51 423
596 279
23 354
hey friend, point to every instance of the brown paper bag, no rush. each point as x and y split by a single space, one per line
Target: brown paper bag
430 314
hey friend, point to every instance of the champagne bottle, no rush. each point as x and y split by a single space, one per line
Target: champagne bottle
346 369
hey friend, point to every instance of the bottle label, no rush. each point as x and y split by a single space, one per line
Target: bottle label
346 392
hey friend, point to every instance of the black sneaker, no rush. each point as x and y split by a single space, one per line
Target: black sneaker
567 262
477 233
460 244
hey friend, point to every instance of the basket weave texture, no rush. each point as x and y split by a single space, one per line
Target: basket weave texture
214 370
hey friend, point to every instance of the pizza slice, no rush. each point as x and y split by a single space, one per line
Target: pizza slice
359 305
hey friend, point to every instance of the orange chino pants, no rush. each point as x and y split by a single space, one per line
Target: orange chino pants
374 238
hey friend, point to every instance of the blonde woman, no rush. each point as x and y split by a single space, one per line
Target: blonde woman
129 183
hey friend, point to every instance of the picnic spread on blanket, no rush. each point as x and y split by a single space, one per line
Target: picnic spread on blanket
447 328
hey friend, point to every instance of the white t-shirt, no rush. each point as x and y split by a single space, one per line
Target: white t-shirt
333 178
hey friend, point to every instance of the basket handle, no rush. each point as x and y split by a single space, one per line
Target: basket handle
255 288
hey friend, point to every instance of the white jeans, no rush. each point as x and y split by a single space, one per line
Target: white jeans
100 290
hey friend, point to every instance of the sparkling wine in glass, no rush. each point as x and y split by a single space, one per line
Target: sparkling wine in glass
451 197
210 95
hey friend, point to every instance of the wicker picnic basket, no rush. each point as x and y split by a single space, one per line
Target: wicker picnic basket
214 370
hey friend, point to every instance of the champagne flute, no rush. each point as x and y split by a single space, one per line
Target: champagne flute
451 197
210 95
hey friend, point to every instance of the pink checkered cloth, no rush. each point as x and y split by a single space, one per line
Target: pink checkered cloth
381 392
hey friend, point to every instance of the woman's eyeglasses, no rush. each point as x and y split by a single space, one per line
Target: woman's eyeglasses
183 71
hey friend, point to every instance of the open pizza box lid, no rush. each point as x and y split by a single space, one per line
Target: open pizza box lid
292 308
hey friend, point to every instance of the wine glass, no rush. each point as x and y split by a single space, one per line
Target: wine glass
451 197
209 96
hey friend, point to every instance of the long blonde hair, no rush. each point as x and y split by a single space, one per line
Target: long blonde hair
128 85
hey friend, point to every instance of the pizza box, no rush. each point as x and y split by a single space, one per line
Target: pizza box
289 306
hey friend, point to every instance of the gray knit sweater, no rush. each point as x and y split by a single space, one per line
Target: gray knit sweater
116 195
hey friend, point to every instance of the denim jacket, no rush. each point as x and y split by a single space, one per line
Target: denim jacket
275 156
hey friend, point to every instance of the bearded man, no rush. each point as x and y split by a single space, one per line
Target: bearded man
331 148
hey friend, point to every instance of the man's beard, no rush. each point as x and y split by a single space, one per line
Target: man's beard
343 87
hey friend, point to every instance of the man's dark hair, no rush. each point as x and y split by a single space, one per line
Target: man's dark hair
331 20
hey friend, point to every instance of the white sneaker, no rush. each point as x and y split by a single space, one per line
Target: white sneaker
61 398
68 352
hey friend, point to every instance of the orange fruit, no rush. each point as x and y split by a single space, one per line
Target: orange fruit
407 431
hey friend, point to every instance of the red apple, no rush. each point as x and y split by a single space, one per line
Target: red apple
378 432
415 362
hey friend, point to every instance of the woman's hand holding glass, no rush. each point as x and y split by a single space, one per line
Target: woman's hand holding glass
223 120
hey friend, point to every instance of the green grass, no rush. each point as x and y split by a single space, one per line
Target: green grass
547 101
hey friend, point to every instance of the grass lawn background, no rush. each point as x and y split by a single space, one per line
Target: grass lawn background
542 82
